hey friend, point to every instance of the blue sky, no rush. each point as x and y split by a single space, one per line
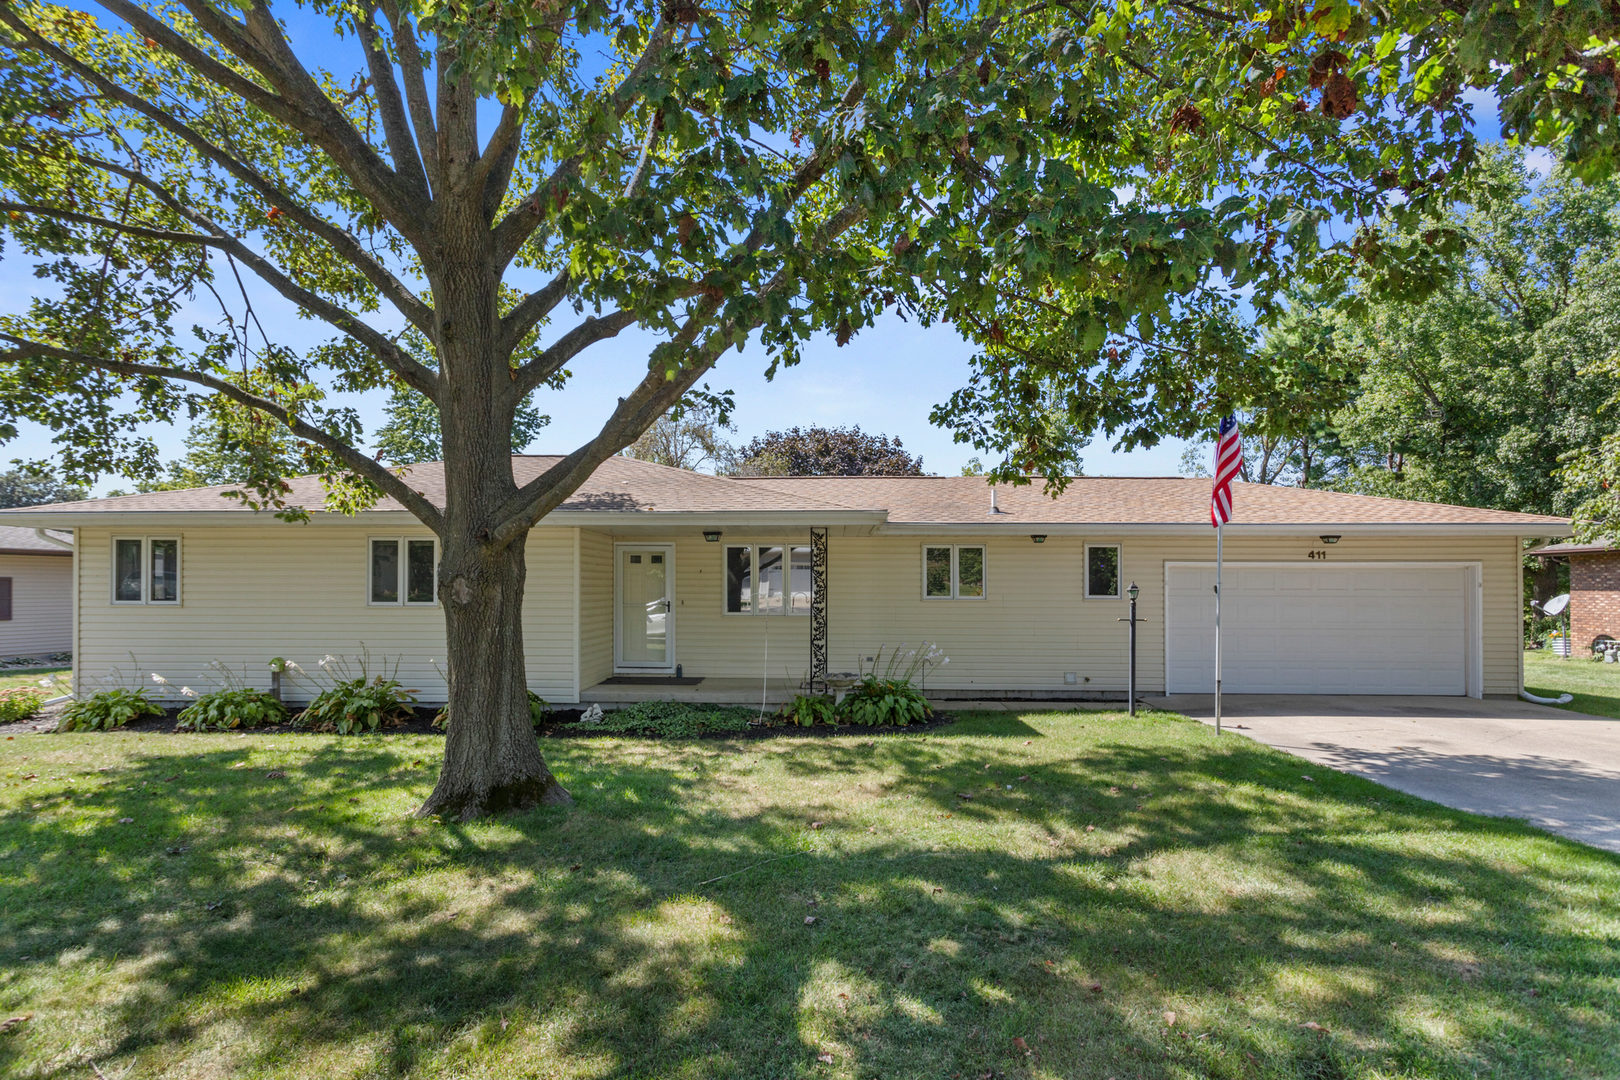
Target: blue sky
886 380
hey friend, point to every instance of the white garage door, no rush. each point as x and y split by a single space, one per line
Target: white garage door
1319 629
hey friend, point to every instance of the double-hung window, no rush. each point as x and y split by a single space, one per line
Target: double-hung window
768 579
953 572
146 570
1102 571
402 570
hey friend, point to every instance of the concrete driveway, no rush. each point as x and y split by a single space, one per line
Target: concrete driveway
1559 770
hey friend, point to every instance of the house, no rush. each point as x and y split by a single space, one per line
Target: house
743 586
1594 590
36 593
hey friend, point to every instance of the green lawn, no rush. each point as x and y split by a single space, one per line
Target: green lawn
31 677
1596 685
1051 895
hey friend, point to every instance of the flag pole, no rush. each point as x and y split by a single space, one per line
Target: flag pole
1218 530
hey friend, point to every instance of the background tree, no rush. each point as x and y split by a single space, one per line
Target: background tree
819 451
1078 189
412 431
34 484
687 437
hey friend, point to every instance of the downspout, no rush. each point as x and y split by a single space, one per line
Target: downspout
56 540
1561 699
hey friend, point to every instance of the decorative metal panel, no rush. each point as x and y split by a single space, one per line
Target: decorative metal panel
818 611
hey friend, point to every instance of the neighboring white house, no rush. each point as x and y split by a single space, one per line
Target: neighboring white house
648 572
36 593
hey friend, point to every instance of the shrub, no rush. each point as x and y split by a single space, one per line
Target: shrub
107 710
674 719
808 710
539 709
19 704
358 706
874 701
240 707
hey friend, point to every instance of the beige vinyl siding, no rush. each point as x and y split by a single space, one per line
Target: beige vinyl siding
1034 623
41 604
249 593
595 607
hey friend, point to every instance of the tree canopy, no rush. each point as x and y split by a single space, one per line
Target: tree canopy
686 437
1082 190
1475 394
819 451
30 485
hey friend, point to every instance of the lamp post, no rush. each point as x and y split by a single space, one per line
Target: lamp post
1130 683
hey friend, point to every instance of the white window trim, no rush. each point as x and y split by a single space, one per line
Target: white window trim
404 573
956 582
1119 573
787 547
146 571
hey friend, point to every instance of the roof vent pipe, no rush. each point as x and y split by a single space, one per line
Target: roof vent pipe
994 509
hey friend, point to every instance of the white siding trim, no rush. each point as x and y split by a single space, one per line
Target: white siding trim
578 629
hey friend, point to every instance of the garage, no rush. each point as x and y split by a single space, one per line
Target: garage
1287 628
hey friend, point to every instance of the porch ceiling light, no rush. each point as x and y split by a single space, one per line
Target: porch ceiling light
713 535
1334 539
1039 538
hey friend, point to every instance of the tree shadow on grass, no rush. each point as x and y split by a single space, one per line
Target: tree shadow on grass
660 927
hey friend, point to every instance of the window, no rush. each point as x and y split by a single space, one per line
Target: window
403 571
146 570
953 571
768 579
1102 570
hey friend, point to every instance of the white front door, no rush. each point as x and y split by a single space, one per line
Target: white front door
1313 629
645 619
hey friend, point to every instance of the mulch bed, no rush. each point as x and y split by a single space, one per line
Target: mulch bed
561 724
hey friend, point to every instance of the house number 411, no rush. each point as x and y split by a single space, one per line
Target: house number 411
1316 553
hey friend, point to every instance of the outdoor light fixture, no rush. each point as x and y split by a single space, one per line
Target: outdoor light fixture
1039 538
1133 592
1329 539
713 535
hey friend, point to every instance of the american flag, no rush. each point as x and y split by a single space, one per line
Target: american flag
1228 459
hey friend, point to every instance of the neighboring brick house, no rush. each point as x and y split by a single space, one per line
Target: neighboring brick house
1594 591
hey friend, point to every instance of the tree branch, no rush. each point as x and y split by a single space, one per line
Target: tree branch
149 232
391 483
516 227
343 242
396 124
565 348
412 70
298 101
417 374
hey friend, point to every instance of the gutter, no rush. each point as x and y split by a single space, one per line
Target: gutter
57 540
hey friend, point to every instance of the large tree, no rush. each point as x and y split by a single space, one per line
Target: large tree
35 485
1078 187
819 451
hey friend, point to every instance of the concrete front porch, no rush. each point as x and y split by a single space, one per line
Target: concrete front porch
712 691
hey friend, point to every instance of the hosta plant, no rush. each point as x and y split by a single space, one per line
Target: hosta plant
240 707
358 706
873 702
539 709
808 710
107 710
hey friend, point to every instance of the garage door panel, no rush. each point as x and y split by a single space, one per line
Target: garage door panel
1320 629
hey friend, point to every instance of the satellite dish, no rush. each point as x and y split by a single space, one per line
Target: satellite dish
1556 605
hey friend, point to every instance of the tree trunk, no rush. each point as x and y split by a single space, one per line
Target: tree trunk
492 761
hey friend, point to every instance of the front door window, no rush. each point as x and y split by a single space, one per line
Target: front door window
645 614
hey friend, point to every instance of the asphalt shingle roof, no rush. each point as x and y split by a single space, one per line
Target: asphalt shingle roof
627 485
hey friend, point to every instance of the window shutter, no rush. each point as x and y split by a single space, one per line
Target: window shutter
5 599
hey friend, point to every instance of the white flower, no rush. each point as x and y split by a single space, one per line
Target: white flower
292 665
160 680
186 691
328 659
